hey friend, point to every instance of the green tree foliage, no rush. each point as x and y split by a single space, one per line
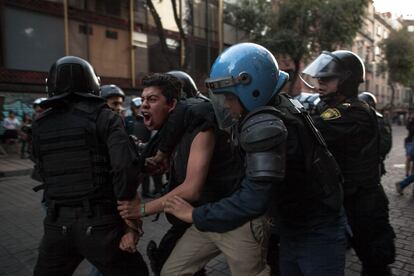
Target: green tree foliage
299 28
399 57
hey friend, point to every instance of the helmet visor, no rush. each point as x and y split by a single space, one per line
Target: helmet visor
224 115
326 65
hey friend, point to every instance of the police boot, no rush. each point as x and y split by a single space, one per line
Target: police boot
152 253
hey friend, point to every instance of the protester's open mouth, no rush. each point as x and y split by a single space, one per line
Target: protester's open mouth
147 118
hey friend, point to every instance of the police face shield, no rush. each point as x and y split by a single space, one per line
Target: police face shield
326 66
226 104
222 103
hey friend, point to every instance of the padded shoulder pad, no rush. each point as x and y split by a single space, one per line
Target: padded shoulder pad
262 131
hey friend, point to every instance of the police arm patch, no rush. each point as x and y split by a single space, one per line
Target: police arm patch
331 114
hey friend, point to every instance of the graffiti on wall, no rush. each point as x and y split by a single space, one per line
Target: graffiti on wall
20 103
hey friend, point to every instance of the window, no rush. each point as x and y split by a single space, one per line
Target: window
111 34
85 29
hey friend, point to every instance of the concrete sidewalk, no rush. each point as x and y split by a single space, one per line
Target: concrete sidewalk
13 165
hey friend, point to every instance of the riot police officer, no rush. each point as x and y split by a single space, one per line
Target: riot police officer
384 129
114 97
286 162
351 130
86 162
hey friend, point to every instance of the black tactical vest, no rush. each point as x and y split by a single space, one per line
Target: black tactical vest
73 161
358 156
312 176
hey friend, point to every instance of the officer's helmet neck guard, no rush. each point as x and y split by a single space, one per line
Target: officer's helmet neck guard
69 75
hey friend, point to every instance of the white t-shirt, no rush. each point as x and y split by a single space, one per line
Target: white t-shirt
11 123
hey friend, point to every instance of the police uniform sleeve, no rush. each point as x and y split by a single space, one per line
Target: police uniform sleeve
263 139
249 201
123 158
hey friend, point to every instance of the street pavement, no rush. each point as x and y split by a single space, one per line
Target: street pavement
21 219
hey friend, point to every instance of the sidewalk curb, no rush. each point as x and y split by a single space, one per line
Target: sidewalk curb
16 173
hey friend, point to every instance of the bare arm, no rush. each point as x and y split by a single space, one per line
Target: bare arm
201 152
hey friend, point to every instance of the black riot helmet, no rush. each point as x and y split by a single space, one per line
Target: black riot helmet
369 98
38 101
70 75
343 64
189 87
110 90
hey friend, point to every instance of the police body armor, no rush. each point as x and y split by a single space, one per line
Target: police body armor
359 165
312 176
74 162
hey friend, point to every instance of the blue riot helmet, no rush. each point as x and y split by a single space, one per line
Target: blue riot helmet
247 71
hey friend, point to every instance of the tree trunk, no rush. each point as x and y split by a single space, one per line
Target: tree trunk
160 32
392 99
183 36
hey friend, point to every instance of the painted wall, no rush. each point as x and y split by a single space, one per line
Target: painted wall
18 102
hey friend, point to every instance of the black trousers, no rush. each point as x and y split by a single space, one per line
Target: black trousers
166 246
74 236
373 236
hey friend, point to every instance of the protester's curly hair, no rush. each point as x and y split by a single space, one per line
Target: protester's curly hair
169 85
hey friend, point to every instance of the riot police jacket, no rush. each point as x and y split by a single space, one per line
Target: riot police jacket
312 177
351 131
82 152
